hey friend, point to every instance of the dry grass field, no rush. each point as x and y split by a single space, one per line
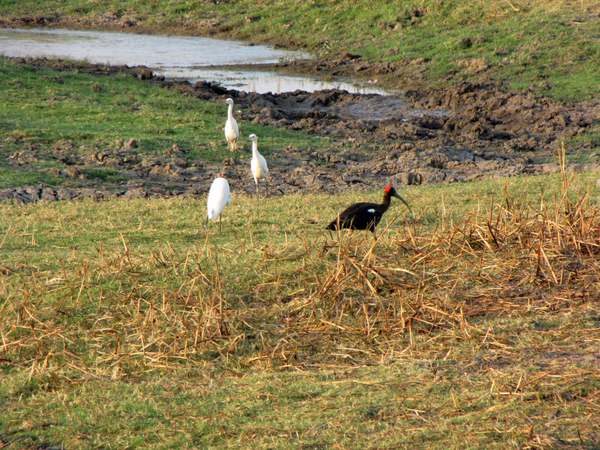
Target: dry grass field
473 324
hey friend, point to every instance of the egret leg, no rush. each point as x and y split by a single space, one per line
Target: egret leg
220 219
266 188
206 223
257 195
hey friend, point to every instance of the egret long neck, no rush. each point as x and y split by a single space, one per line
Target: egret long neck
230 111
255 149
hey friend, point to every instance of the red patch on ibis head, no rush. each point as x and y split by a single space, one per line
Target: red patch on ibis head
387 189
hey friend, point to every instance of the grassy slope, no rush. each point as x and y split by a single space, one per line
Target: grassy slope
520 43
60 114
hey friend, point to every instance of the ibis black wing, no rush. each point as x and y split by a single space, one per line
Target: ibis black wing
360 216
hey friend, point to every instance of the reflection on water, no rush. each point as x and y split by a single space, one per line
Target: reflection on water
136 49
173 56
263 82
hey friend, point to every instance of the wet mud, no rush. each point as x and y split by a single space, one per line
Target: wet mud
471 131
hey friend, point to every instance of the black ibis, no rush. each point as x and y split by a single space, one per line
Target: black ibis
365 216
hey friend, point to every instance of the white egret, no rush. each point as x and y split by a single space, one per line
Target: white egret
219 196
258 165
231 128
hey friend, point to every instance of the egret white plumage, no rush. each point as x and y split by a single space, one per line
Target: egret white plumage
258 164
231 127
219 196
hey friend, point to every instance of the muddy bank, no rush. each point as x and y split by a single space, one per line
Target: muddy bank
472 131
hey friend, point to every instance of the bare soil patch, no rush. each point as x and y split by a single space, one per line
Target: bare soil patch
471 131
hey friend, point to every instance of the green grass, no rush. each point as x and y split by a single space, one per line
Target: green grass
73 110
66 117
520 43
125 324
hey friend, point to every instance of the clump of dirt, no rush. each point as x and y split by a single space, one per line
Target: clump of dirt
468 132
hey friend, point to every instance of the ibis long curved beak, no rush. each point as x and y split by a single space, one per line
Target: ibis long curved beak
395 194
